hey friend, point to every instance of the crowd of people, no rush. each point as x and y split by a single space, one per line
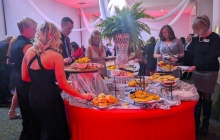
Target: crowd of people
31 68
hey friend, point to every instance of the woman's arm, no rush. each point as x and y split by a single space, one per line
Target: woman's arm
157 53
24 68
61 79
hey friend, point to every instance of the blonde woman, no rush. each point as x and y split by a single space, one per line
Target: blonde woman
42 66
204 52
96 52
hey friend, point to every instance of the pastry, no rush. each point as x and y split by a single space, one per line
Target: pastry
103 104
102 100
111 99
95 101
140 94
101 95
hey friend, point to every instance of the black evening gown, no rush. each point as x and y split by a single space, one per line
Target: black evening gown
49 118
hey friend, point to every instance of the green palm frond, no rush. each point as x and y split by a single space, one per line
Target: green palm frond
126 21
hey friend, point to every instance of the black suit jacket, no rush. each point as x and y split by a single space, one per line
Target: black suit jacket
62 46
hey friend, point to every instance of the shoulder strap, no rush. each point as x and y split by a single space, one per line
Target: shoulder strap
171 50
39 62
32 60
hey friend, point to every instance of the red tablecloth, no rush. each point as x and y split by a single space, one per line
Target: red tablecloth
155 124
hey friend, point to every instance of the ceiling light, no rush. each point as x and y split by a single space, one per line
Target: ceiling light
161 10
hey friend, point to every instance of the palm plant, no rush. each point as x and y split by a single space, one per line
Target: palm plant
126 21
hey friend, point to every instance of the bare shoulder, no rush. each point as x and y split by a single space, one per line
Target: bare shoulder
55 55
30 51
89 48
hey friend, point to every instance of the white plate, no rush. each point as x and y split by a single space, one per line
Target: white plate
184 94
135 64
182 67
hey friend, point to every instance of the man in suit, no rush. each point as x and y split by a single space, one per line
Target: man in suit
4 72
66 27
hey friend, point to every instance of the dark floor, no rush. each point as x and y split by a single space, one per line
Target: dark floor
10 129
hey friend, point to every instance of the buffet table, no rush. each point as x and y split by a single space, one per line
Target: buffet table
127 124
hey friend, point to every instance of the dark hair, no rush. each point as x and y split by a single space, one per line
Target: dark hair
66 20
74 45
183 40
170 33
152 39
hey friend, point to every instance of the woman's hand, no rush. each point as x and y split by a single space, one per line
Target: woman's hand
87 96
67 60
191 69
158 56
173 60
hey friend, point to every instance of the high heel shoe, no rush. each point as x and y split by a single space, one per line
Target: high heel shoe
12 114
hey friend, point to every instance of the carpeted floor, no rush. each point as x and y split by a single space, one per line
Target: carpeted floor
10 129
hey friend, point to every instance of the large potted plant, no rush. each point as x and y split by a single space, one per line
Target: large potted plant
125 29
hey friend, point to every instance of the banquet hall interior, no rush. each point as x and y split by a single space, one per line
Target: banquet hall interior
86 15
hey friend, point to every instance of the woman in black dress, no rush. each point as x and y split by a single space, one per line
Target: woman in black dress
205 66
42 66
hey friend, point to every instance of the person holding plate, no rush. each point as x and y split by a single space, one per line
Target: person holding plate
204 52
170 46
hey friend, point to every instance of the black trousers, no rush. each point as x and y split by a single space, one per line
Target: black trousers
22 90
